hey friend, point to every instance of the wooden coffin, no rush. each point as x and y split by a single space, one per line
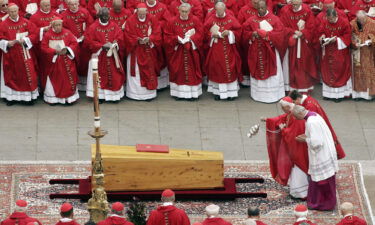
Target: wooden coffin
126 169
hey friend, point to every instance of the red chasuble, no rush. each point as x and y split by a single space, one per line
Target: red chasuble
196 8
262 54
352 220
361 5
223 63
145 55
322 16
119 18
302 71
312 104
132 4
62 72
102 3
283 149
19 218
215 221
304 221
41 19
19 71
77 23
210 4
243 3
183 61
115 220
112 76
335 64
168 215
346 4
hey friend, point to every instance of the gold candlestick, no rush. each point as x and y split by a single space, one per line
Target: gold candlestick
97 204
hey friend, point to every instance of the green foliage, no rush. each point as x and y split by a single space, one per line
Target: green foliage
137 212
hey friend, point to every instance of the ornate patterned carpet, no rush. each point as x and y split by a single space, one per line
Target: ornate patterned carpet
29 181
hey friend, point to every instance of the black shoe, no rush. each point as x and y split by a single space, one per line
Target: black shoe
326 99
101 101
52 104
231 99
357 99
10 103
217 98
337 100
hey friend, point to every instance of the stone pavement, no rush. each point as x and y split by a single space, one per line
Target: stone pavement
43 132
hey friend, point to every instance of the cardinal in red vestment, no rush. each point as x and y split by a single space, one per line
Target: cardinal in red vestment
167 213
26 7
209 6
313 105
66 212
267 83
223 63
119 14
19 81
347 211
116 217
59 47
288 158
301 212
61 5
42 19
183 40
196 8
364 5
335 37
329 4
77 19
162 15
300 71
19 216
142 36
212 212
105 39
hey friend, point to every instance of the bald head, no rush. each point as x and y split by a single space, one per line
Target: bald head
296 5
117 5
103 14
220 9
45 5
346 208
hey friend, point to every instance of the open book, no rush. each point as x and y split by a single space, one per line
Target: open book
57 44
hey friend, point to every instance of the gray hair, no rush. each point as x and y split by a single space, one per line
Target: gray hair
361 13
298 109
220 3
187 5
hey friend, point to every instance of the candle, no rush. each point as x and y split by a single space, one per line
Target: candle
95 63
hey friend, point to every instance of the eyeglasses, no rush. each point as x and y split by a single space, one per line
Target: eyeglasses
3 5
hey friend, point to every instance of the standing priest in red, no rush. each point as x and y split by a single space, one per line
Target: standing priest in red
19 81
223 63
119 14
183 40
77 19
264 34
142 35
66 213
19 216
335 38
300 71
59 48
105 39
116 217
167 213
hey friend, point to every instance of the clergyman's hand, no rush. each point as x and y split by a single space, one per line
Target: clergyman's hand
301 138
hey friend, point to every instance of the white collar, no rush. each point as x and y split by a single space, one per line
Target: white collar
74 11
184 19
150 5
212 216
299 9
303 98
142 20
349 214
66 220
167 203
45 12
301 219
115 215
16 20
222 16
104 24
